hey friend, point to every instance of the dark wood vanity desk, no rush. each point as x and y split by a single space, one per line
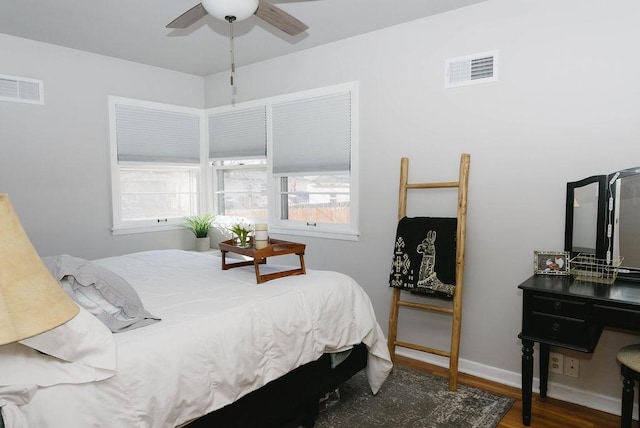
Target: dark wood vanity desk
560 311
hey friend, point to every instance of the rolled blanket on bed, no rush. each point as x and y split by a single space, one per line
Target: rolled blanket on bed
424 258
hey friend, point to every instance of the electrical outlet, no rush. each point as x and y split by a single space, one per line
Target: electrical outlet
556 364
571 366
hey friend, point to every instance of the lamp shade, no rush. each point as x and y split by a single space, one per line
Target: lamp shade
240 9
31 300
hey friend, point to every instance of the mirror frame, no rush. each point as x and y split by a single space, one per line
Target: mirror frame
631 273
601 231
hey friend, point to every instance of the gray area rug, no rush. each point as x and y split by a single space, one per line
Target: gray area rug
410 398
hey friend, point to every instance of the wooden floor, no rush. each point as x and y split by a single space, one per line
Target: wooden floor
550 413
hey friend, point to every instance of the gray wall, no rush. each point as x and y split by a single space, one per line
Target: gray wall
563 109
54 158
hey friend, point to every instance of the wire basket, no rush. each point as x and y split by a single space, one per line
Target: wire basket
586 267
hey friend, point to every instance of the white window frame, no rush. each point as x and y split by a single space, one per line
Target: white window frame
213 179
297 228
121 226
215 183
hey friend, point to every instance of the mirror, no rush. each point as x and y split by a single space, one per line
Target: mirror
586 216
603 218
624 188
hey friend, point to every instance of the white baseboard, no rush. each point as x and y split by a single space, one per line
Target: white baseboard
555 390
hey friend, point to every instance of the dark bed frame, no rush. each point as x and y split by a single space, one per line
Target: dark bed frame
290 401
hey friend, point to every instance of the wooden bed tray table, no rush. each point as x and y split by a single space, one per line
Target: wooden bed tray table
276 247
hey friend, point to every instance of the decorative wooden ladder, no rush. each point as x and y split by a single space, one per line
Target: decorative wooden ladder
456 310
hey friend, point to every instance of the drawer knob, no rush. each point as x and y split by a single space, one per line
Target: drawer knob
557 305
555 326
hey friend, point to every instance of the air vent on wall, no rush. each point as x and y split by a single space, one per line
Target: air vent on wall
471 69
21 89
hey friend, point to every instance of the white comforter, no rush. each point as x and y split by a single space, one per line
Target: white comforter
221 337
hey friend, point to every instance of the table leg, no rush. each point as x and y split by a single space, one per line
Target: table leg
544 368
302 266
527 380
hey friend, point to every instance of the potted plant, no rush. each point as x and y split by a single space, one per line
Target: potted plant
200 225
242 230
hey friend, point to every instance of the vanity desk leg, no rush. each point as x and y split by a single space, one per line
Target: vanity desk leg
544 369
527 380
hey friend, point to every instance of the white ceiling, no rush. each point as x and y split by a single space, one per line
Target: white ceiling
135 30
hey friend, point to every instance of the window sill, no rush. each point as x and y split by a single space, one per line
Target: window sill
343 236
143 229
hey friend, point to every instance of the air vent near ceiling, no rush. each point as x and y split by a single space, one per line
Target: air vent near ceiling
21 89
471 69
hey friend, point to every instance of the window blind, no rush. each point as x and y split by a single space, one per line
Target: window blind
312 135
238 134
149 135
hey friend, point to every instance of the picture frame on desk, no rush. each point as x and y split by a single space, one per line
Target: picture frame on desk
551 262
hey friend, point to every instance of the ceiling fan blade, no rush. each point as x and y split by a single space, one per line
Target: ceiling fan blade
279 19
189 17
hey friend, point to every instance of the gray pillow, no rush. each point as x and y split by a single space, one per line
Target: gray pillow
100 291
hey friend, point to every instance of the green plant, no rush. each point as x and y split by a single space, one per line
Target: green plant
199 224
242 231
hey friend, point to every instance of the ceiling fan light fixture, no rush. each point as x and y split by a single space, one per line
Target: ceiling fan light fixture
240 9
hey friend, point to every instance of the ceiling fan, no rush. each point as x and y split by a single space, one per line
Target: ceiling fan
237 10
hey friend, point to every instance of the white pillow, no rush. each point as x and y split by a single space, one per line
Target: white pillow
79 351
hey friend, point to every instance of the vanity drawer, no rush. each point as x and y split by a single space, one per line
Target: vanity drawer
564 330
558 306
617 316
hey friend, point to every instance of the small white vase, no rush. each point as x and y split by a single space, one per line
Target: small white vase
203 244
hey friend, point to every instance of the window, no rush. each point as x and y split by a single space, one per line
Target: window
241 188
290 161
238 153
315 199
312 159
157 193
155 164
306 182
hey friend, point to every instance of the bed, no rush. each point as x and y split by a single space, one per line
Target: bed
206 342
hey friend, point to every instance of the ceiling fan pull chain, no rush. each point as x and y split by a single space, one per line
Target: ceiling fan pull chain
233 61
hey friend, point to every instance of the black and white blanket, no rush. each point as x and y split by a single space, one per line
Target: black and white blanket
424 258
